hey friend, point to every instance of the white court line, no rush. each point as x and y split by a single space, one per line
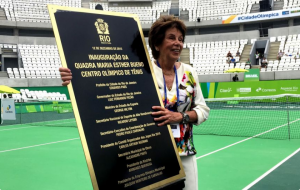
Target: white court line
272 169
32 126
2 151
246 139
32 122
269 118
18 128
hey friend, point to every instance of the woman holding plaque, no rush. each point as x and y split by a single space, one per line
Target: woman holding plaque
178 83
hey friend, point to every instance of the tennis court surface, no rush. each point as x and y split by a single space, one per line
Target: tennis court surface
255 148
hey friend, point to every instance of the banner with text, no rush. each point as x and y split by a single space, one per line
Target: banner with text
261 16
252 75
245 89
9 111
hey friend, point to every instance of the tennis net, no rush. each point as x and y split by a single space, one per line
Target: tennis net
272 117
44 113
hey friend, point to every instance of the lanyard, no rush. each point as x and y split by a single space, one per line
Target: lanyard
165 86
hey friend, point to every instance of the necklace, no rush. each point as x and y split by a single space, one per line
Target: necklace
165 86
169 74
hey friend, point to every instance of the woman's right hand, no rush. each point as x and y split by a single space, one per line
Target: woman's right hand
66 75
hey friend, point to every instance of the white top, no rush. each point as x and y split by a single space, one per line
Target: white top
190 98
201 108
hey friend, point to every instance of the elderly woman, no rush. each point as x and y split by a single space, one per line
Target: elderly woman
179 86
180 90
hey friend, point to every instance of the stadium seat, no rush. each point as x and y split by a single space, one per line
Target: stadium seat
33 11
252 41
273 39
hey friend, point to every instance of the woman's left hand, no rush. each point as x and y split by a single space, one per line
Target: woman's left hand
166 116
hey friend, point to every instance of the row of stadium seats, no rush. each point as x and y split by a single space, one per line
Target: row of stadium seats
289 4
284 68
8 46
209 10
218 68
146 14
290 47
27 95
11 47
210 57
33 73
34 10
292 44
42 95
40 61
214 52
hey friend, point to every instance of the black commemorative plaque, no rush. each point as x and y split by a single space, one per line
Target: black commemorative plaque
112 92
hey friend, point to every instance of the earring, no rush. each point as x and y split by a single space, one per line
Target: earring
156 49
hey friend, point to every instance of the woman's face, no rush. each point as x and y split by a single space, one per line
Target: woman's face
172 44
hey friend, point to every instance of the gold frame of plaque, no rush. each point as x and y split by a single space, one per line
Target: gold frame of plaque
52 10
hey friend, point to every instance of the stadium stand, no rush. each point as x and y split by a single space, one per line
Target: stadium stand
42 61
32 11
36 11
104 5
292 44
147 14
210 57
8 48
288 61
27 95
287 4
161 7
210 10
7 5
39 61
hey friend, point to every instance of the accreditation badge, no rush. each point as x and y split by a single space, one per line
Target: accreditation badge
175 130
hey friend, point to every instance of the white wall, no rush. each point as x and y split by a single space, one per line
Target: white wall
223 36
37 40
284 31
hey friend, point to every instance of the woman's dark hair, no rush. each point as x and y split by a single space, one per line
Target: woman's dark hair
159 28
